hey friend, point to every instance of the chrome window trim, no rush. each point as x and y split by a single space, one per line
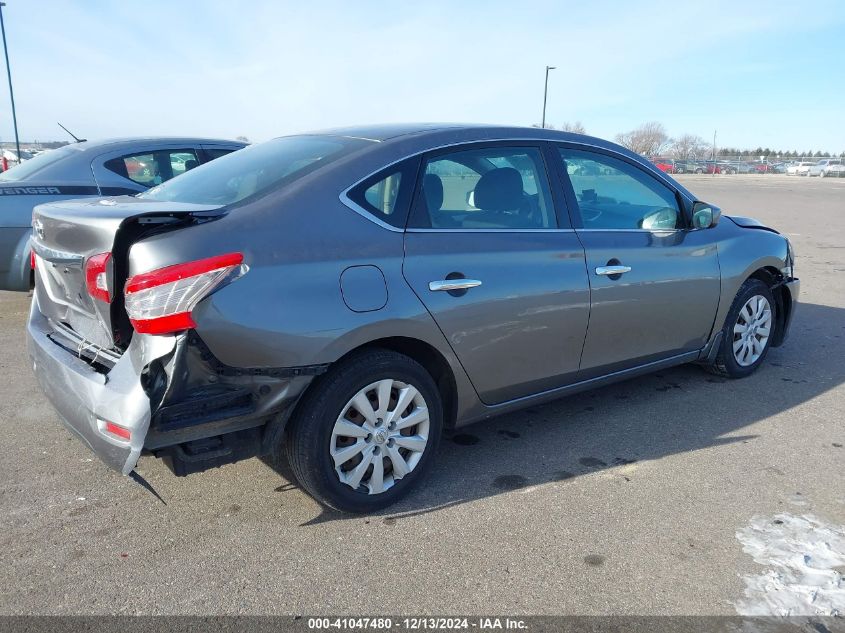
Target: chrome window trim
630 230
349 203
489 230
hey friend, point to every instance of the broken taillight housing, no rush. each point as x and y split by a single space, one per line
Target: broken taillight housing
96 279
161 301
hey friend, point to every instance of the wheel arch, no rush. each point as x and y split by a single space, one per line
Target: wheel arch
432 361
773 278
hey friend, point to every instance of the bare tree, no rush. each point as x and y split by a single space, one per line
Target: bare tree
647 140
577 127
689 146
242 139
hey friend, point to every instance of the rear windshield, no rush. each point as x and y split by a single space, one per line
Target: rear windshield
32 166
253 170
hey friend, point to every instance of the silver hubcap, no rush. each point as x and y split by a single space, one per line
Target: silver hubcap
380 436
751 330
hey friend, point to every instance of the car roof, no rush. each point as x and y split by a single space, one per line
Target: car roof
387 131
466 131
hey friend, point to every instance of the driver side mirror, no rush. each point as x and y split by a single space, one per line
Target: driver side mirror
704 215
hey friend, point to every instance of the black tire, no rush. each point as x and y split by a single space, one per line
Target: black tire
309 433
726 364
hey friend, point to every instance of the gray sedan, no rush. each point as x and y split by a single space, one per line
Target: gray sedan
90 168
339 299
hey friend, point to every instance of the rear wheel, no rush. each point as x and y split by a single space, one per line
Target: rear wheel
366 433
747 332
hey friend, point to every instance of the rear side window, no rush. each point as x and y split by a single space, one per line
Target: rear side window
153 168
381 196
387 195
254 170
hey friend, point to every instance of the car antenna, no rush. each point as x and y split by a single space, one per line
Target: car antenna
78 140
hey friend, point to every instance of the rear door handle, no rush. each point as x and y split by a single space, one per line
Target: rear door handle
612 270
453 284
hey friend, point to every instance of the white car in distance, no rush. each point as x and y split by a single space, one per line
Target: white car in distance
827 167
799 169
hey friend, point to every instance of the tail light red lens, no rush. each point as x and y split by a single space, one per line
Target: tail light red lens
32 259
96 276
161 301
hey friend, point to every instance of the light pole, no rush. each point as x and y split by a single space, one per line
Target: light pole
714 152
9 74
546 94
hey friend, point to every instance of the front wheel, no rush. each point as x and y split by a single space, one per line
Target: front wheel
747 332
366 433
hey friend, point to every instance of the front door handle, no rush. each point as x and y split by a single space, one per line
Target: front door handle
612 270
453 284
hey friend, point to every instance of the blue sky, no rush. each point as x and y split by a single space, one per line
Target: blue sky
761 73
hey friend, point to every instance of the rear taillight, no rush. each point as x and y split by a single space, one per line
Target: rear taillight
161 301
96 278
32 259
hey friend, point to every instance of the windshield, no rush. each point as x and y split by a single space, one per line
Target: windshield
34 165
253 170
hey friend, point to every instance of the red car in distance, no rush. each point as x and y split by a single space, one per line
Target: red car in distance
666 165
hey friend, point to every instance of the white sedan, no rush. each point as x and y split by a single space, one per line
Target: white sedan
827 167
799 169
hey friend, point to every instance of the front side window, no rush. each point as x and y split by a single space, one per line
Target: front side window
153 168
613 194
491 188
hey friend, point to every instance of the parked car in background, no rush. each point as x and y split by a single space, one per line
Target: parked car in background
836 170
735 167
766 167
707 167
801 168
335 300
667 165
12 159
90 168
826 167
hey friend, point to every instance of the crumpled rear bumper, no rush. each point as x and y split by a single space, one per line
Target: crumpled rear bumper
86 399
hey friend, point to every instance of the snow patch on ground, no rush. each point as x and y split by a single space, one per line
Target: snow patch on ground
806 562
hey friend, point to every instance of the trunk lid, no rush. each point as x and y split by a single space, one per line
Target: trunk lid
67 234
